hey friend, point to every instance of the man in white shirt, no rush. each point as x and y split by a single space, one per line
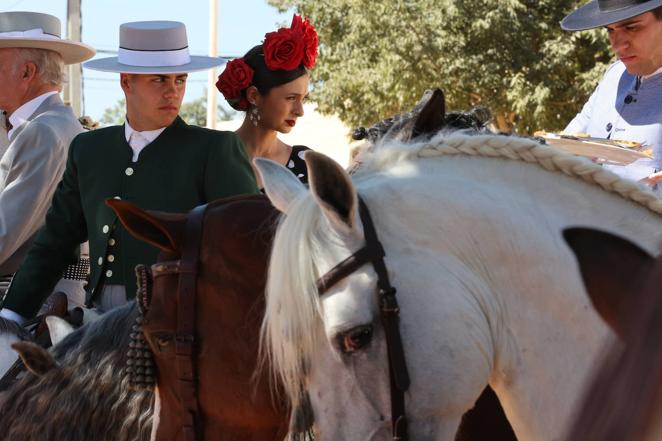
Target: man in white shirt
626 103
39 128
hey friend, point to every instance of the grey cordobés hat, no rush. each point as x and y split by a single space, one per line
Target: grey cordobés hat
153 47
600 13
34 30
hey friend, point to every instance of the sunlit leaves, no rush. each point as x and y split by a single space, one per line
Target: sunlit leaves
377 57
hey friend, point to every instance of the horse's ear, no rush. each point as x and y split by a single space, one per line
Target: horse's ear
34 357
58 328
280 184
431 117
163 230
611 267
333 190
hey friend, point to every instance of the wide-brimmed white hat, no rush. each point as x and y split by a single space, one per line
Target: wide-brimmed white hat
153 47
40 31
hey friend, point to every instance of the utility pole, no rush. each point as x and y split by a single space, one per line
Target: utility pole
73 87
213 52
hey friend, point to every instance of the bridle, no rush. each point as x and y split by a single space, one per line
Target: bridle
373 252
185 336
185 339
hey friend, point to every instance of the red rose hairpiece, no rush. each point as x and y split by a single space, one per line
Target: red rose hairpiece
236 77
288 48
285 49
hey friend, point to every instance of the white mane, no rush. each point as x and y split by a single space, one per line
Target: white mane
290 331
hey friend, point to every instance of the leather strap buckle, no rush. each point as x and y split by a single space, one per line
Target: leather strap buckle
184 343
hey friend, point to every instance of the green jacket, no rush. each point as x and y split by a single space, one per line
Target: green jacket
184 167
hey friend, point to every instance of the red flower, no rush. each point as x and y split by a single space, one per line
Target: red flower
236 77
310 39
283 50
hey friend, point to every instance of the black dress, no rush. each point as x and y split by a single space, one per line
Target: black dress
296 164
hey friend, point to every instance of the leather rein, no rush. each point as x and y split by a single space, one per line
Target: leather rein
373 252
186 342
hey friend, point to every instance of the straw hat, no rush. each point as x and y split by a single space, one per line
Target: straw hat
40 31
605 12
153 47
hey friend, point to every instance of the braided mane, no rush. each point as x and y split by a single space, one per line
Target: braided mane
512 148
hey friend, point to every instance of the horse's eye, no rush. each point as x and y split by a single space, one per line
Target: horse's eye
355 338
161 341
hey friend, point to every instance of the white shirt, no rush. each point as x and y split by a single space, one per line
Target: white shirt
659 71
621 107
138 140
26 110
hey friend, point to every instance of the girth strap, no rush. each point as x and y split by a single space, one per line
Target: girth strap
373 252
185 338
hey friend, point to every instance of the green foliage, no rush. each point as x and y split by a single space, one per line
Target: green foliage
193 112
114 115
376 58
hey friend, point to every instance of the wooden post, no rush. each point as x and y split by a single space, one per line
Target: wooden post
73 88
213 52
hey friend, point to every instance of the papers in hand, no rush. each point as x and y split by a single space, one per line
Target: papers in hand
605 150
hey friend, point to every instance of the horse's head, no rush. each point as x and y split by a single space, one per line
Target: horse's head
81 381
333 344
426 119
235 238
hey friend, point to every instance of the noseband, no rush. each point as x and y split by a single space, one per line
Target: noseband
373 252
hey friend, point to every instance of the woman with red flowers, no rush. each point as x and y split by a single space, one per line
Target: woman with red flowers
270 83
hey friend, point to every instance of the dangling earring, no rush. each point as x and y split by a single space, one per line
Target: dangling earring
254 115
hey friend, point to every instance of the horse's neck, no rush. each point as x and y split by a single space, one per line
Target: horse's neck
504 222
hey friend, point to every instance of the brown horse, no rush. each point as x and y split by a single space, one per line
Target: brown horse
236 236
624 403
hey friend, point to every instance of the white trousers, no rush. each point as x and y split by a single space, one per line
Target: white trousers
111 297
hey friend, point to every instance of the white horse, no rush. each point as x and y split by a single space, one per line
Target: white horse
488 290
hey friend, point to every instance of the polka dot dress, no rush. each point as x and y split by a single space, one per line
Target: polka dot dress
296 164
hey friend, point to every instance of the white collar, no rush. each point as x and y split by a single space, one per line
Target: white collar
645 77
23 113
149 135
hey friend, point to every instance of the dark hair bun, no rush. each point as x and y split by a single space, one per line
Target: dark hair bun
265 79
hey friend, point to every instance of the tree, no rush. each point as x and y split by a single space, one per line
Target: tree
114 115
193 112
376 58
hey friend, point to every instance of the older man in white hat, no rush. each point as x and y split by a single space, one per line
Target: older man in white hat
39 128
154 160
626 103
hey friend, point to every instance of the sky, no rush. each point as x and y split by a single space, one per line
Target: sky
241 25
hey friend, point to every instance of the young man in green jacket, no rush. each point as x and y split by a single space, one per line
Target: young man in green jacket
155 160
